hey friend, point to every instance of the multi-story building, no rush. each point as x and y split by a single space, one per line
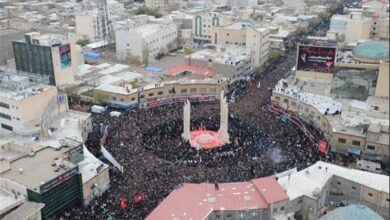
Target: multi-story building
48 54
145 40
23 102
229 61
349 104
89 26
380 7
246 34
204 21
352 27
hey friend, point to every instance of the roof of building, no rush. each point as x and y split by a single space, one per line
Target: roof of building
371 50
223 54
198 200
311 180
355 212
32 172
193 69
24 211
8 201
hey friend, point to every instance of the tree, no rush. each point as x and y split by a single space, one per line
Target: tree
187 51
301 31
145 56
99 97
179 41
274 56
148 11
325 16
82 42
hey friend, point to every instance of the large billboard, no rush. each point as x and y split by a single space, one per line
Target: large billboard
65 56
316 59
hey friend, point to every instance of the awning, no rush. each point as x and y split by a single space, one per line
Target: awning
354 150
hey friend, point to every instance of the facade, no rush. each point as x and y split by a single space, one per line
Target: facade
258 199
380 7
50 55
23 103
146 40
229 61
87 26
204 21
160 93
246 34
352 27
317 186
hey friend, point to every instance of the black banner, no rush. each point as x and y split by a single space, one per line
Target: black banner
316 59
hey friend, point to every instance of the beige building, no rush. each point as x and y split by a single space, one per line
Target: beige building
204 21
24 104
380 7
246 34
352 27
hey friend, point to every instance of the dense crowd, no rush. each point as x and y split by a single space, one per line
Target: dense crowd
157 160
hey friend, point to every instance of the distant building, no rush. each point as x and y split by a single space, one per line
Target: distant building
352 27
229 61
204 21
155 4
380 7
47 54
246 34
145 40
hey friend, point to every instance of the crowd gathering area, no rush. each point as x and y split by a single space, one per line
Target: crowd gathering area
156 159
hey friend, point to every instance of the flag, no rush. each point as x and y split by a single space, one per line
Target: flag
123 204
139 198
322 146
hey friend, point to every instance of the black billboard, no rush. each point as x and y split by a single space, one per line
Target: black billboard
316 59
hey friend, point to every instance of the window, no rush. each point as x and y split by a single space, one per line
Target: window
4 105
193 90
282 208
229 215
227 34
202 89
141 96
353 187
306 110
293 104
356 143
300 201
132 99
342 140
387 200
160 93
370 147
151 94
275 209
213 90
2 115
285 101
122 100
7 127
113 98
338 183
370 194
183 91
277 98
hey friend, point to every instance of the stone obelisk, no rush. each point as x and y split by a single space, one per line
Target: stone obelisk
186 120
223 127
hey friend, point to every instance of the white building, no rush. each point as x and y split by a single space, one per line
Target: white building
380 7
204 21
87 26
352 27
150 38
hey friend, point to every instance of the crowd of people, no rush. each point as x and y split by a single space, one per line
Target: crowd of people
156 160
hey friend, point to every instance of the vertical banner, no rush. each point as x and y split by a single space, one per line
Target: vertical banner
65 56
110 158
322 146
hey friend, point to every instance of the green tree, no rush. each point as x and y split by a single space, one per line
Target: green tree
324 16
301 31
82 42
187 51
274 56
99 97
145 56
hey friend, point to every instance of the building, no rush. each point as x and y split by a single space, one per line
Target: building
155 4
312 190
204 21
88 26
260 198
348 103
230 61
145 41
162 93
380 7
46 176
246 34
24 103
48 54
352 27
352 212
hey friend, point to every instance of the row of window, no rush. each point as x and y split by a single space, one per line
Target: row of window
344 141
7 127
2 115
4 105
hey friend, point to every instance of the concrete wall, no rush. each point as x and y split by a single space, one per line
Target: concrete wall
343 147
96 186
314 75
85 27
382 85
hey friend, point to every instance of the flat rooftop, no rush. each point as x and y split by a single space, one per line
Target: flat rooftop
198 200
314 178
36 170
227 54
193 69
239 25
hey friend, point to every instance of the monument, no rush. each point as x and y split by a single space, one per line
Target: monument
203 138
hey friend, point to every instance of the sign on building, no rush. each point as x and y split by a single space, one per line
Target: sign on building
65 56
316 59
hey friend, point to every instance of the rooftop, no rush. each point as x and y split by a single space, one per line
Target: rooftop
226 54
24 211
33 171
239 25
198 200
355 212
308 181
193 69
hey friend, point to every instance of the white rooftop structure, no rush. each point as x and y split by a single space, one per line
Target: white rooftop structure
224 54
315 177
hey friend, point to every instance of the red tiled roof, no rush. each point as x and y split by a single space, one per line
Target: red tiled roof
194 69
196 201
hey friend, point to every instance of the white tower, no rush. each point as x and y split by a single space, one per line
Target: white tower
186 120
223 127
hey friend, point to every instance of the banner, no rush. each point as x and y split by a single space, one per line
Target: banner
65 56
110 158
316 59
322 146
